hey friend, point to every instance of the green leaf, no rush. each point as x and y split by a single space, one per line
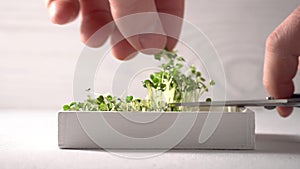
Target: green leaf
109 98
157 56
129 99
103 107
179 66
147 83
72 104
208 100
100 99
193 69
66 107
180 59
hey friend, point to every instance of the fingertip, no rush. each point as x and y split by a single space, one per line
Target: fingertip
171 43
124 57
62 12
284 111
152 43
123 50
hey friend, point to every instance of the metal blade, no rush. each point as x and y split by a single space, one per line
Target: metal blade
245 103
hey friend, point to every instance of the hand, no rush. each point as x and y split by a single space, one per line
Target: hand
97 13
281 59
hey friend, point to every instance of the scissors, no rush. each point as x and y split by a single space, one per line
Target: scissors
268 103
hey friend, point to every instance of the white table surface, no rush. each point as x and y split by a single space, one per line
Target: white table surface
28 139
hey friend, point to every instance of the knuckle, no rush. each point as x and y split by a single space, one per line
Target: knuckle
278 40
274 39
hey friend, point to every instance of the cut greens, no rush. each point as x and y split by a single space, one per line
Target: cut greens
169 85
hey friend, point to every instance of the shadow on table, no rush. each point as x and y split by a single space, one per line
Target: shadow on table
265 143
276 143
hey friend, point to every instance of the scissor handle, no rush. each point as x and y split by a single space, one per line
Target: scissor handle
296 96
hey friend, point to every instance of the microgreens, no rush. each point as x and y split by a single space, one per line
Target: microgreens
169 85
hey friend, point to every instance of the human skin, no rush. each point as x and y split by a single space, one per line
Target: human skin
97 13
281 59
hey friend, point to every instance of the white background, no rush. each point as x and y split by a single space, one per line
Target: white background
37 58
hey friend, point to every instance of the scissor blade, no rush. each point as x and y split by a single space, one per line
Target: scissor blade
244 103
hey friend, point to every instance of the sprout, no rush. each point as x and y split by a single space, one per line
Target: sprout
169 85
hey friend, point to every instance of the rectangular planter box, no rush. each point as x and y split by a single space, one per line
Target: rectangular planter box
154 130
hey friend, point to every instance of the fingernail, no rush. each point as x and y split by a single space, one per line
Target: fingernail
52 9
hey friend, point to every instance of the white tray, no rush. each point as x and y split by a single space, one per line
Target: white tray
111 130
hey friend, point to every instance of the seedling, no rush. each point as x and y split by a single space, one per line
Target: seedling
169 85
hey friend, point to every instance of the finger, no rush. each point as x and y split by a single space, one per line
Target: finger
284 111
143 29
172 25
62 11
95 18
281 59
121 48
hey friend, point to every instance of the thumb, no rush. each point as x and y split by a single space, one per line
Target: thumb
281 59
139 22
